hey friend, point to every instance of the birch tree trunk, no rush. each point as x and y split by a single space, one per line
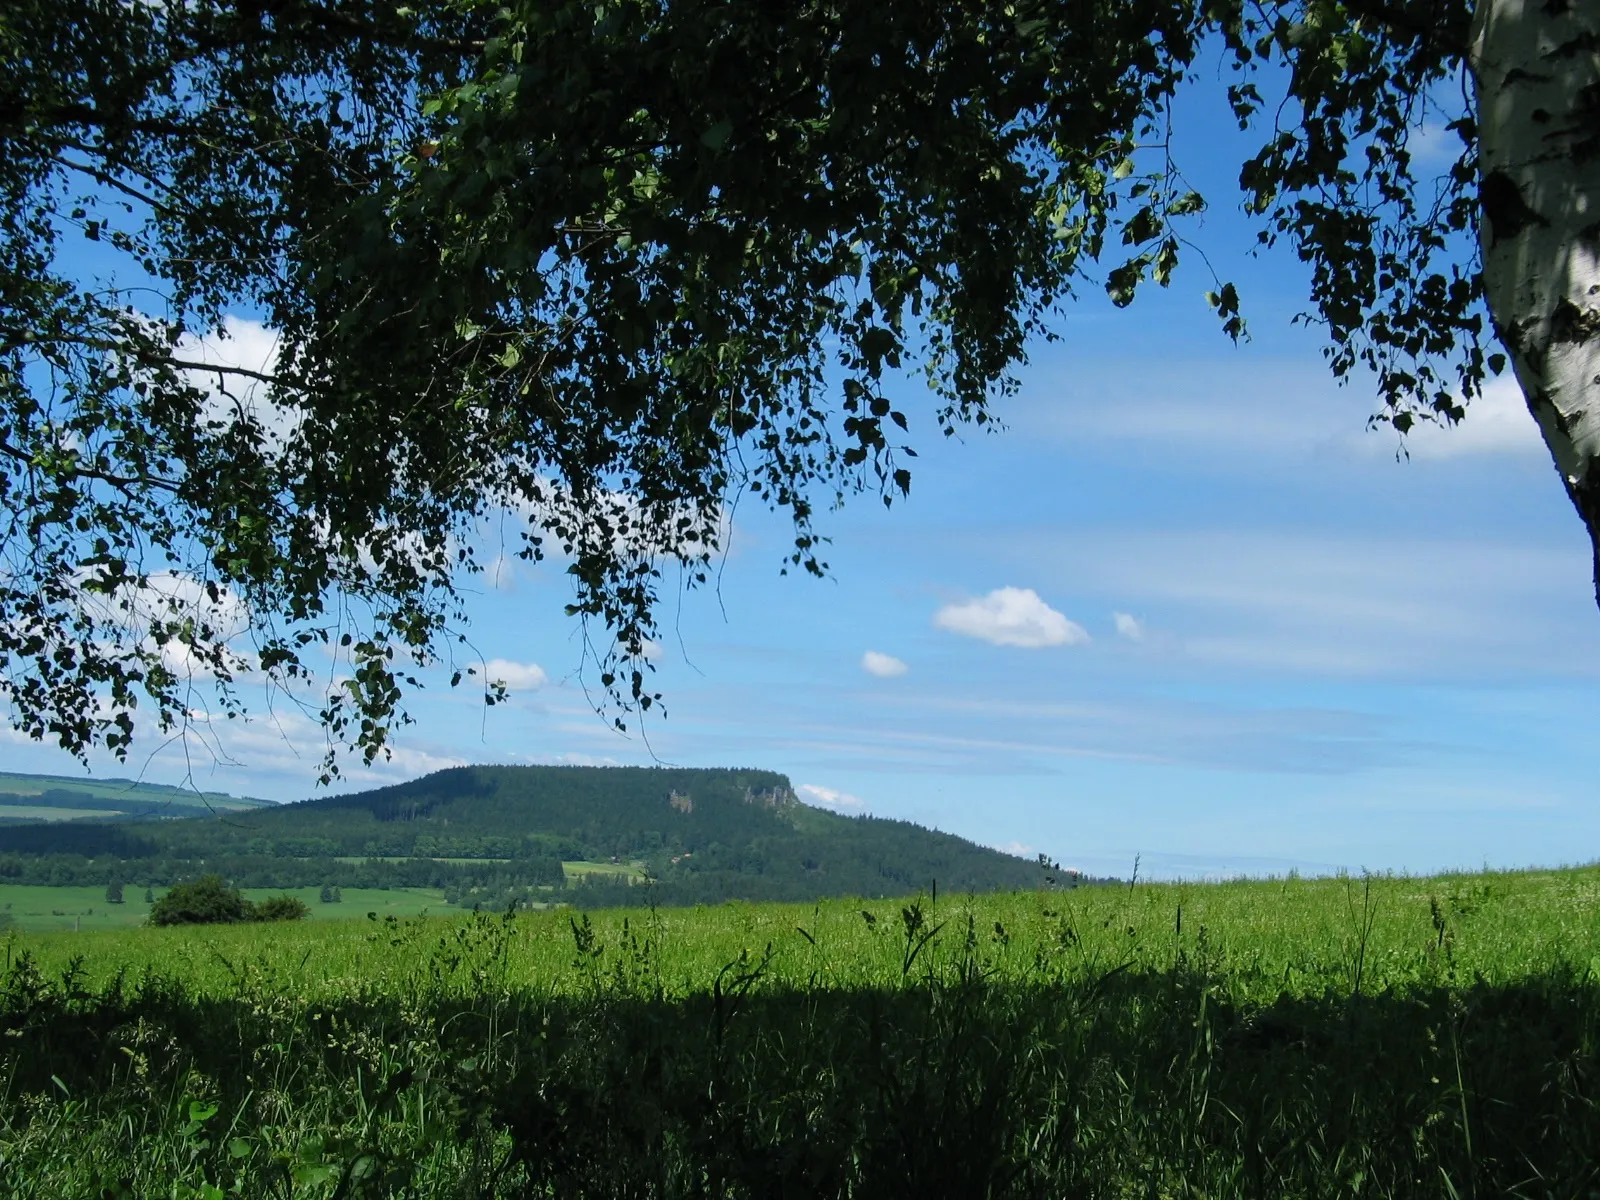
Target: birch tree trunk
1536 71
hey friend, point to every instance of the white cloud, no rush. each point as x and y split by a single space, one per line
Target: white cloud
244 345
1011 616
167 596
518 677
1018 849
240 343
884 666
825 797
1128 626
1497 422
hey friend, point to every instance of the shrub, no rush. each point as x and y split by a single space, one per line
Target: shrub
210 901
278 908
113 892
205 901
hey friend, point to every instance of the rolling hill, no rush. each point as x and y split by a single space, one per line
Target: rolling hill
508 834
29 799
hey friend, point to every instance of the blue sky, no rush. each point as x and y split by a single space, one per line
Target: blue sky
1183 606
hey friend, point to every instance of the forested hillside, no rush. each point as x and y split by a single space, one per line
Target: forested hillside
497 835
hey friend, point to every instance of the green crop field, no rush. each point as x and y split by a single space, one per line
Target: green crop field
574 869
119 795
1306 1038
627 870
36 812
84 909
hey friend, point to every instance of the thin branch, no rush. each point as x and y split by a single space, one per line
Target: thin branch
185 365
106 179
125 482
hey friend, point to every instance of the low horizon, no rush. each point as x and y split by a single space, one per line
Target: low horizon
1148 867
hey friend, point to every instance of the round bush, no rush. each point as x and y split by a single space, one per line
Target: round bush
279 908
205 901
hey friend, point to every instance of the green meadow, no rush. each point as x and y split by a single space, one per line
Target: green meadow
1335 1037
35 909
38 812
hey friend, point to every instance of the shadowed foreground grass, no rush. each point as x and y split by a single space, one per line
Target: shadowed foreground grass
1414 1038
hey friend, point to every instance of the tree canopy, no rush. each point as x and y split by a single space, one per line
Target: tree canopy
601 268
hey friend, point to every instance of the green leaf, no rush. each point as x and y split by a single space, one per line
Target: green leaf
309 1174
1189 202
717 136
1144 227
1122 282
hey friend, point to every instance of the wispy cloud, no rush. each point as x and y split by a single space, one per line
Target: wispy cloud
937 734
1432 145
884 666
1128 626
1219 412
1011 616
1350 605
518 677
830 798
501 572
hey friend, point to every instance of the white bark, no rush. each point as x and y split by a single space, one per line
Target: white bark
1536 71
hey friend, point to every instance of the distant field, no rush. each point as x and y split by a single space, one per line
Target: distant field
576 870
572 870
84 909
121 797
396 858
37 812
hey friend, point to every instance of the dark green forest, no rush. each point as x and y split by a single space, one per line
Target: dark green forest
499 835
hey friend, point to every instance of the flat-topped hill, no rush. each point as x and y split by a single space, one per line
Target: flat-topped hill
696 835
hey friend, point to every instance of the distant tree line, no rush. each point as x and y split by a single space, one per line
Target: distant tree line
69 870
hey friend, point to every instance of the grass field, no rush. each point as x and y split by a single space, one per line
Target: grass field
396 858
627 870
39 909
123 795
34 812
1306 1038
572 869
